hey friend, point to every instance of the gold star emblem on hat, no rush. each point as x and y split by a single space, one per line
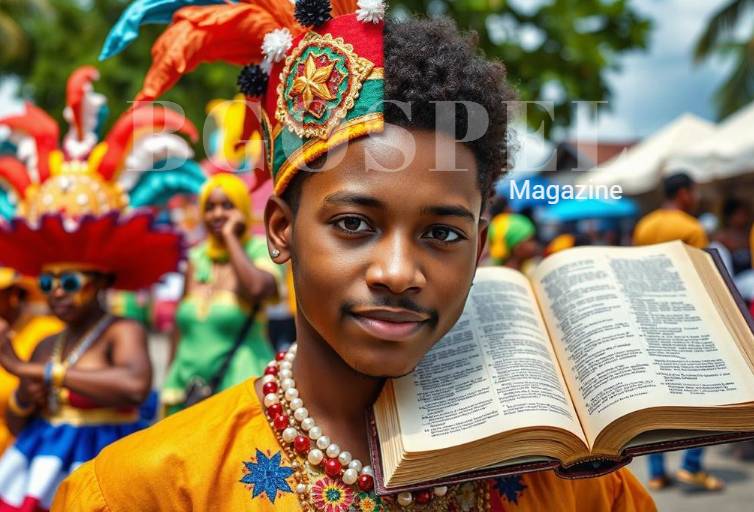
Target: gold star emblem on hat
319 85
313 83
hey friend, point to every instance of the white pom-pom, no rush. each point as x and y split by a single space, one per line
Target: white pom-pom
276 44
370 11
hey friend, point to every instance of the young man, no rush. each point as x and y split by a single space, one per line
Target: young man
382 264
674 221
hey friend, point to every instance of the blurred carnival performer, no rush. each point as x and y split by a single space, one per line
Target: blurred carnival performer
145 152
221 332
674 221
512 241
233 150
28 323
82 388
382 265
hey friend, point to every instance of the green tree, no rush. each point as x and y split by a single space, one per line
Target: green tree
14 38
73 36
555 50
722 37
560 47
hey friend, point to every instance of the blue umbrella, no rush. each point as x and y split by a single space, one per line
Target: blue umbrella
580 209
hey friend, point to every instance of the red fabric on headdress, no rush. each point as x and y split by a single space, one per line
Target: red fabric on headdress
366 39
114 243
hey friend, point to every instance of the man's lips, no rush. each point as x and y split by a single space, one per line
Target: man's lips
392 324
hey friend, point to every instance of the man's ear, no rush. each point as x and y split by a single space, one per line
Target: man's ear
278 222
483 227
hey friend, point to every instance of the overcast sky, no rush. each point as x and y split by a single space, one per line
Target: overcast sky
654 87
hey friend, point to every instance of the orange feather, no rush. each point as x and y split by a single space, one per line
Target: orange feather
198 34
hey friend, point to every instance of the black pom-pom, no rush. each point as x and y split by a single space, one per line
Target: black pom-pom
313 13
252 81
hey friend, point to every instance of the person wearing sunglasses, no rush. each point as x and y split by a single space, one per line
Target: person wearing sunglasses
82 388
23 309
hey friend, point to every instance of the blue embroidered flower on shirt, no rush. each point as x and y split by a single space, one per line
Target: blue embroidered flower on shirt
266 476
511 487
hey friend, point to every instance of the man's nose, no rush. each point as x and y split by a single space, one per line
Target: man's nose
395 265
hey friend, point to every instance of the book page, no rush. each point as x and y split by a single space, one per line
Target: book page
494 371
634 328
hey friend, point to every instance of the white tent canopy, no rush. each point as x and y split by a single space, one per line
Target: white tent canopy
640 169
728 152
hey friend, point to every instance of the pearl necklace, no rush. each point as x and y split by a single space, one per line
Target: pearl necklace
287 414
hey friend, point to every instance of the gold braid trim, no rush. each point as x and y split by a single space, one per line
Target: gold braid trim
359 127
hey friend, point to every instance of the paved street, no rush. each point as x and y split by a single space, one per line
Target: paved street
738 475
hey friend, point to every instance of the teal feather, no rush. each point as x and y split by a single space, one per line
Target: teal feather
143 12
156 187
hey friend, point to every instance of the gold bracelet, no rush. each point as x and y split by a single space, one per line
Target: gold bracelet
58 374
17 409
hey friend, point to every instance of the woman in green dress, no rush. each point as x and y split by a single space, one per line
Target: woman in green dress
229 275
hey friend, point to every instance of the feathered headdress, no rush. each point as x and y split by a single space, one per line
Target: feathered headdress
69 202
314 66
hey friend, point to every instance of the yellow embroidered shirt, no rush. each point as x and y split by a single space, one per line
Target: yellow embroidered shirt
28 335
196 459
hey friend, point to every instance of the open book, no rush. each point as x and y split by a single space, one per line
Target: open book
603 353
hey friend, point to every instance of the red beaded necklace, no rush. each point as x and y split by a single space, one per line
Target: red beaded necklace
302 438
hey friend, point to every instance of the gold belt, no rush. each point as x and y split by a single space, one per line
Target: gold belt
100 416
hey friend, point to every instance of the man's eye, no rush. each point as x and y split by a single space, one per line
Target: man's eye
353 225
443 234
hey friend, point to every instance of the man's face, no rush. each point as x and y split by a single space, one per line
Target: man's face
383 261
689 199
71 292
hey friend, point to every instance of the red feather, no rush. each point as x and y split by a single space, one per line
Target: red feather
150 117
75 94
42 128
14 173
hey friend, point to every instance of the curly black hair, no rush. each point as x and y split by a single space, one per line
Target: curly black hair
427 61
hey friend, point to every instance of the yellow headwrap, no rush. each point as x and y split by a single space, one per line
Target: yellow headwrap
238 193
